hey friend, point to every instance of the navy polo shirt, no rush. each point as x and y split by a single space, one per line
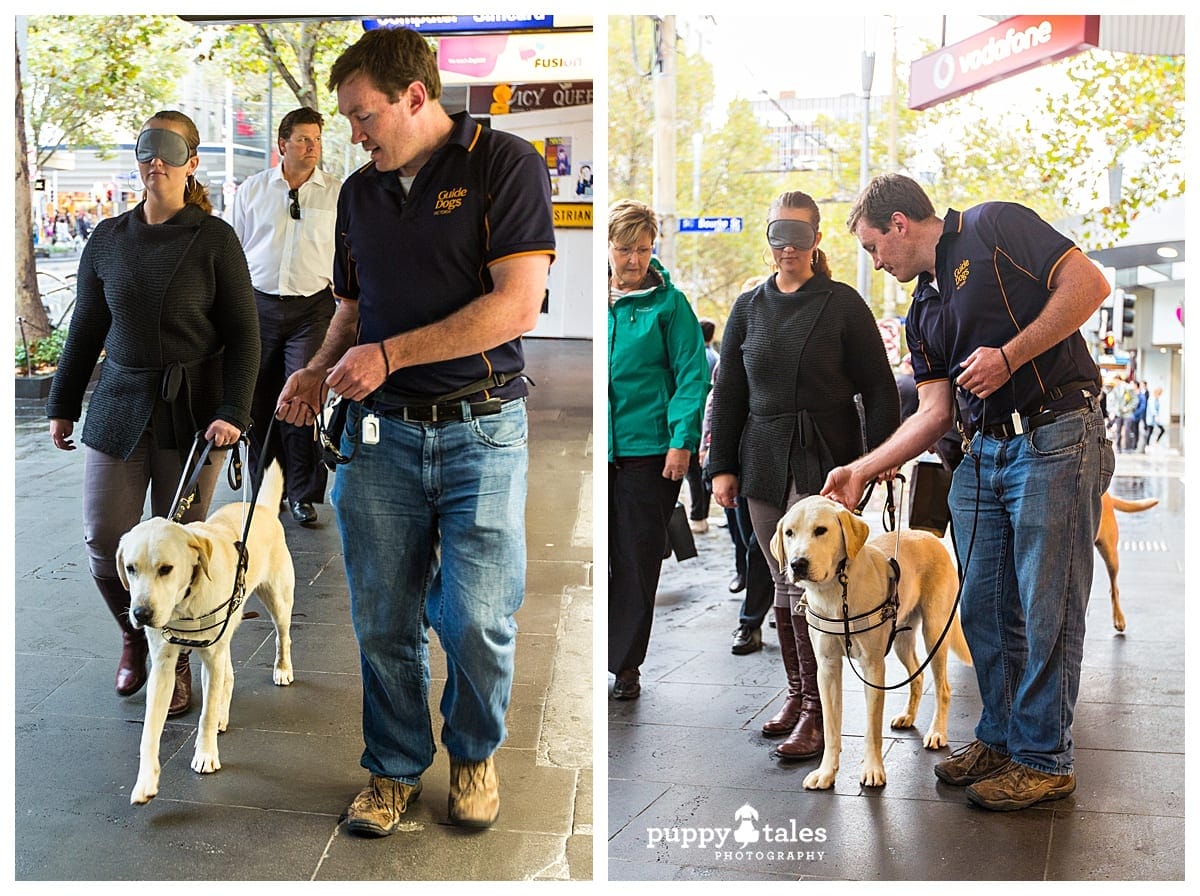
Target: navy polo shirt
994 266
413 260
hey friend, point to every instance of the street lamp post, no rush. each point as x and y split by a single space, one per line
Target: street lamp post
864 173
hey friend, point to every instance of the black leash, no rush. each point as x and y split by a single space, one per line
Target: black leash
189 492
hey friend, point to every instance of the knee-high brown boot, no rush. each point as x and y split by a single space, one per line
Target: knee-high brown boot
131 668
181 696
808 737
785 720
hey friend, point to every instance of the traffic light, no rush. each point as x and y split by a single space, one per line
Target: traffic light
1109 342
1127 303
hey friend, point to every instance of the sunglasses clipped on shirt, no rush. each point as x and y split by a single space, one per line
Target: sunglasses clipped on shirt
294 209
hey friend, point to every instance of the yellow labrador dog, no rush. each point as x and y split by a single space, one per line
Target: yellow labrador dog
810 543
182 577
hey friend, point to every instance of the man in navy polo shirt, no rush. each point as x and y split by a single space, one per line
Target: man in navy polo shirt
994 335
444 245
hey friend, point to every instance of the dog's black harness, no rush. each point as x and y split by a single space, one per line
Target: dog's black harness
184 498
848 626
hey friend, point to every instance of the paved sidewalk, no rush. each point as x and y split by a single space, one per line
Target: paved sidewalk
290 759
689 757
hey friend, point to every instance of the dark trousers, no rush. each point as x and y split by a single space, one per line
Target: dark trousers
700 496
640 502
292 330
760 589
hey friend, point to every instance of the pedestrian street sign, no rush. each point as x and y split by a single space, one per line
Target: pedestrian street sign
710 225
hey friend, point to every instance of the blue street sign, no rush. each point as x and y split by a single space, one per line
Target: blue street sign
438 24
710 225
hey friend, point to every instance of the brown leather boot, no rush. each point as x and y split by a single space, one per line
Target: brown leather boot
131 667
808 737
181 696
785 720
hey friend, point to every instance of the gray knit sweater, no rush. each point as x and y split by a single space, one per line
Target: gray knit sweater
783 408
172 296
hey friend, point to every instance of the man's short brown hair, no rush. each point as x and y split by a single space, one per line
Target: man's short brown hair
303 115
393 58
886 194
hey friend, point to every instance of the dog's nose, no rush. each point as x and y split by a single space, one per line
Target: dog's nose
800 568
142 615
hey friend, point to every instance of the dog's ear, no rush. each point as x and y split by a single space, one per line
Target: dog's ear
854 532
204 550
121 565
777 548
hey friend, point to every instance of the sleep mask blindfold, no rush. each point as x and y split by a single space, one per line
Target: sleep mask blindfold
162 143
787 232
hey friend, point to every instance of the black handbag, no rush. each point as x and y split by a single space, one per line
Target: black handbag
929 505
679 535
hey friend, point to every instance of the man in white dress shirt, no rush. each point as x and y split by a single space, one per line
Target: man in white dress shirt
285 218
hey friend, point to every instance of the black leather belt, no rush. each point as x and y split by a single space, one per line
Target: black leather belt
1008 429
446 412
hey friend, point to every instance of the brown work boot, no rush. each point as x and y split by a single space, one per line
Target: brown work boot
474 793
969 764
378 809
1018 786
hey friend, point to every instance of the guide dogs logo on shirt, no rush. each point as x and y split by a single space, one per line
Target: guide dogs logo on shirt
449 200
962 272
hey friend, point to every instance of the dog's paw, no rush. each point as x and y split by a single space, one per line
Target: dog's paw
143 792
821 779
873 776
206 763
904 720
935 740
1118 620
283 676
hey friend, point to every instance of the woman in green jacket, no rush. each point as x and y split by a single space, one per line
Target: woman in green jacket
657 383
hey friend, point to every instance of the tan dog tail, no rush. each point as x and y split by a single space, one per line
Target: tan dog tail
1132 505
270 493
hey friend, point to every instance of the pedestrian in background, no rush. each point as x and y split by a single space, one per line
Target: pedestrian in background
699 495
164 292
995 318
795 353
285 217
657 382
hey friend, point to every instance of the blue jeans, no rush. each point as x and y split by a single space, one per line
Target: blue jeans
432 520
1025 512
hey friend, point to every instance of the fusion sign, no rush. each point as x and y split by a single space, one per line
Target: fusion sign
1015 45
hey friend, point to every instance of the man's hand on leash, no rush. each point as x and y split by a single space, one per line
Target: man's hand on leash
301 396
361 371
984 371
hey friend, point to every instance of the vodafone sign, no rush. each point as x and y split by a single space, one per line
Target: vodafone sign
1015 45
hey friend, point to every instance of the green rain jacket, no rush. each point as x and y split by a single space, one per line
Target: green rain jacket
657 371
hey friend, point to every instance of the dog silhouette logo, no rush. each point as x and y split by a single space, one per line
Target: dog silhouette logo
746 833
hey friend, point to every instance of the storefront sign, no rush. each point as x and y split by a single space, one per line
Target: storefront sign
503 99
443 24
516 58
572 214
1015 45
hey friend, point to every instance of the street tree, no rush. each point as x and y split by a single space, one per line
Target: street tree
300 54
31 320
1123 112
89 76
